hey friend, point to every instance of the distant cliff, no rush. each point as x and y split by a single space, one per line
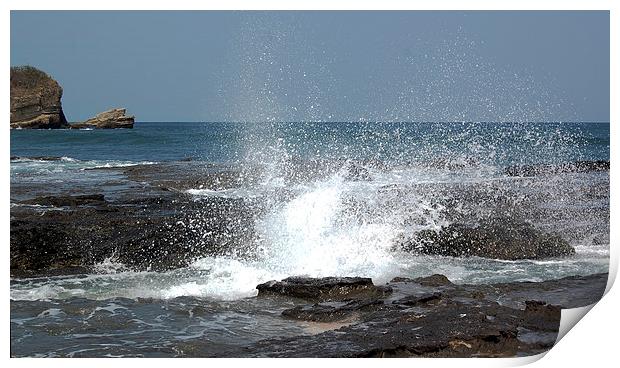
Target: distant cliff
35 100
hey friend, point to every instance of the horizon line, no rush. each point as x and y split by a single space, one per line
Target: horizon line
377 122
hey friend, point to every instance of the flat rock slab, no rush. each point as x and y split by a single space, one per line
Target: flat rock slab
323 289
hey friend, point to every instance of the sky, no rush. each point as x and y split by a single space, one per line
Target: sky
323 66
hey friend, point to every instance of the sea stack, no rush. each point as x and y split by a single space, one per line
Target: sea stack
111 119
35 100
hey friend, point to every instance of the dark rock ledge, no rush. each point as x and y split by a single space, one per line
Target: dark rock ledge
423 317
497 238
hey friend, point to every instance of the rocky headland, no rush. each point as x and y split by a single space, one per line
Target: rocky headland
36 104
35 100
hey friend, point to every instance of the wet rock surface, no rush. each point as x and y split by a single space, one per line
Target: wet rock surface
146 224
497 238
330 288
68 200
422 319
150 233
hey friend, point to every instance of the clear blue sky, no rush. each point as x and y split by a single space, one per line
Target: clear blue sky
329 66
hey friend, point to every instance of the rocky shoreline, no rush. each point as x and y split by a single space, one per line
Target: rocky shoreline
332 317
152 221
421 317
145 218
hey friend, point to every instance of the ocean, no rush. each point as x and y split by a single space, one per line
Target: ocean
334 199
489 143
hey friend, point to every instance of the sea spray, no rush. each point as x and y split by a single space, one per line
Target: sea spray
327 214
310 236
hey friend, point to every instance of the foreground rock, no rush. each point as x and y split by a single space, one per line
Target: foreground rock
111 119
35 100
428 317
497 238
329 288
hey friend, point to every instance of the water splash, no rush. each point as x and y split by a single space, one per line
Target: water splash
312 235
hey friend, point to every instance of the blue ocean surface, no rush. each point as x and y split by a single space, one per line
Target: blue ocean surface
491 143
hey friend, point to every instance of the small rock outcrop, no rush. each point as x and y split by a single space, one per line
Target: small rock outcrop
35 100
111 119
497 238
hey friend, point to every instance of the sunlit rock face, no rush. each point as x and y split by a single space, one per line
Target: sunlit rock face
35 100
111 119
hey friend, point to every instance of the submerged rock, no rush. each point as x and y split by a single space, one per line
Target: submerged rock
323 289
36 158
35 100
497 238
111 119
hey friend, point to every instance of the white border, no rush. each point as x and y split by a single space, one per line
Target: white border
593 341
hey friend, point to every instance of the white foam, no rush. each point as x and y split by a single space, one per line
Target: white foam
313 235
113 164
52 312
228 279
46 291
110 265
64 164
